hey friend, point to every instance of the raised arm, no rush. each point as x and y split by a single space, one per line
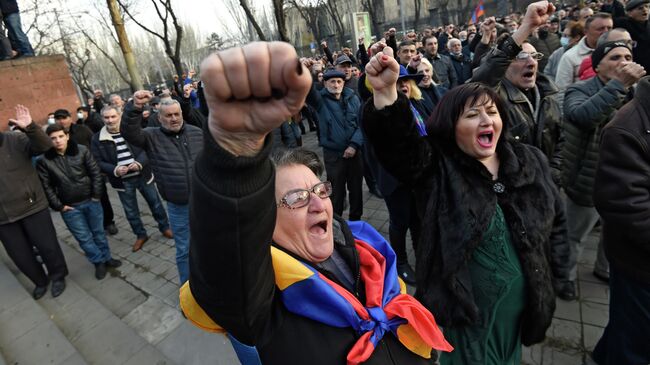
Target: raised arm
38 141
131 125
233 198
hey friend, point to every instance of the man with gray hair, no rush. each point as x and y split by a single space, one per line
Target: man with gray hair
128 170
172 149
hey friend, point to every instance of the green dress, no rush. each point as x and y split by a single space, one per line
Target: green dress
499 292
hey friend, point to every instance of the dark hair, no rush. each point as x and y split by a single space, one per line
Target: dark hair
298 156
405 43
424 41
441 125
54 128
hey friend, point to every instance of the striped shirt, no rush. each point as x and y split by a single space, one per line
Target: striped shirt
124 155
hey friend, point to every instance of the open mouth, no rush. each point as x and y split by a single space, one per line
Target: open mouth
405 90
486 139
529 75
320 228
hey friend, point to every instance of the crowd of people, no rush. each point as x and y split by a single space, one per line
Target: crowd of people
499 146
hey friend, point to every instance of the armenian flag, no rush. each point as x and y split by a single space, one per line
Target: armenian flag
478 12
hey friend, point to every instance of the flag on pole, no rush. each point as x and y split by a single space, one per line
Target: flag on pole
478 12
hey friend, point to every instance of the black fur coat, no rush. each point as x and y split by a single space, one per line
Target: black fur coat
460 205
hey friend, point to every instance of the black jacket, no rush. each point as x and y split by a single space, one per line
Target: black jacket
80 134
589 106
71 178
622 187
171 154
538 124
640 32
8 6
94 121
461 204
21 192
105 152
231 275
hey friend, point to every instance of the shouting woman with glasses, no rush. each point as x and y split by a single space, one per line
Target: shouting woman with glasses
270 263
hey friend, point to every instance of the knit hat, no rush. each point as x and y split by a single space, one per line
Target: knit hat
602 50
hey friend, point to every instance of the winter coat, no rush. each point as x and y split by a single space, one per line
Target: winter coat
21 192
640 32
8 7
590 105
463 67
444 69
622 186
462 201
104 150
80 134
71 178
94 122
540 127
338 124
232 276
171 154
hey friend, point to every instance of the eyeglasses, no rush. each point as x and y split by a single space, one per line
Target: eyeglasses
299 198
523 55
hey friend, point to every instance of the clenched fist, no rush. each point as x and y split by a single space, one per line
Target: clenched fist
250 91
382 72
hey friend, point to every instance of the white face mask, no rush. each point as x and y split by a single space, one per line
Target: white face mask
50 121
80 115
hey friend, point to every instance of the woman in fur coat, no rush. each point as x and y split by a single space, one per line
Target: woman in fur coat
492 238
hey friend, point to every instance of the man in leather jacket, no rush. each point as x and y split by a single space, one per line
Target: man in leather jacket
73 185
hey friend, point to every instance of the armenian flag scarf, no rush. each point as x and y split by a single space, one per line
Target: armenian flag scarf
388 308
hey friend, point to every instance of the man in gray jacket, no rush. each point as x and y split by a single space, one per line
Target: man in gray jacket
25 221
590 105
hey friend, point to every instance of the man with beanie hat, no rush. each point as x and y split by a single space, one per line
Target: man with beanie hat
589 106
338 108
344 64
636 22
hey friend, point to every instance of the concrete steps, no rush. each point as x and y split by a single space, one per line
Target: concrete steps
28 335
130 317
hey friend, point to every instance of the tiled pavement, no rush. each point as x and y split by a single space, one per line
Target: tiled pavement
132 316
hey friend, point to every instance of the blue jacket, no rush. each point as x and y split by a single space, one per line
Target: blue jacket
338 120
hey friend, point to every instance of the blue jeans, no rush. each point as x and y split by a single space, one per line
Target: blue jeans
625 339
179 219
129 201
86 223
17 37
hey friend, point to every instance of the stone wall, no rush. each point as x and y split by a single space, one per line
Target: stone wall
43 84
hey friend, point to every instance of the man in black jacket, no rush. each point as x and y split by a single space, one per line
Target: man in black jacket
589 106
127 168
622 197
25 221
73 185
83 135
636 22
172 149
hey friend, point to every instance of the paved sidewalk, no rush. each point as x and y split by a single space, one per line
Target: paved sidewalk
139 301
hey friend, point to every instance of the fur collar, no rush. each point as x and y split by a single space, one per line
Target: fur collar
104 135
72 150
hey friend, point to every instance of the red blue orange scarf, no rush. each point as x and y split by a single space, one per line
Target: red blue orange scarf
388 308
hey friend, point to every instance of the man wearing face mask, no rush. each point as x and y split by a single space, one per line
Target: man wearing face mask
337 108
86 116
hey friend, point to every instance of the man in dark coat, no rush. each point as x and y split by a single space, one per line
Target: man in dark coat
127 168
622 198
337 108
25 220
83 135
637 24
172 149
589 106
88 117
441 63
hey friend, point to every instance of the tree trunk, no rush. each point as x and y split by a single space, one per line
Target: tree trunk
416 19
251 19
278 11
125 46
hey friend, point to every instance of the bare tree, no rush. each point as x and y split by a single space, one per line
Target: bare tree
417 4
251 19
171 39
278 12
375 11
312 17
333 9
